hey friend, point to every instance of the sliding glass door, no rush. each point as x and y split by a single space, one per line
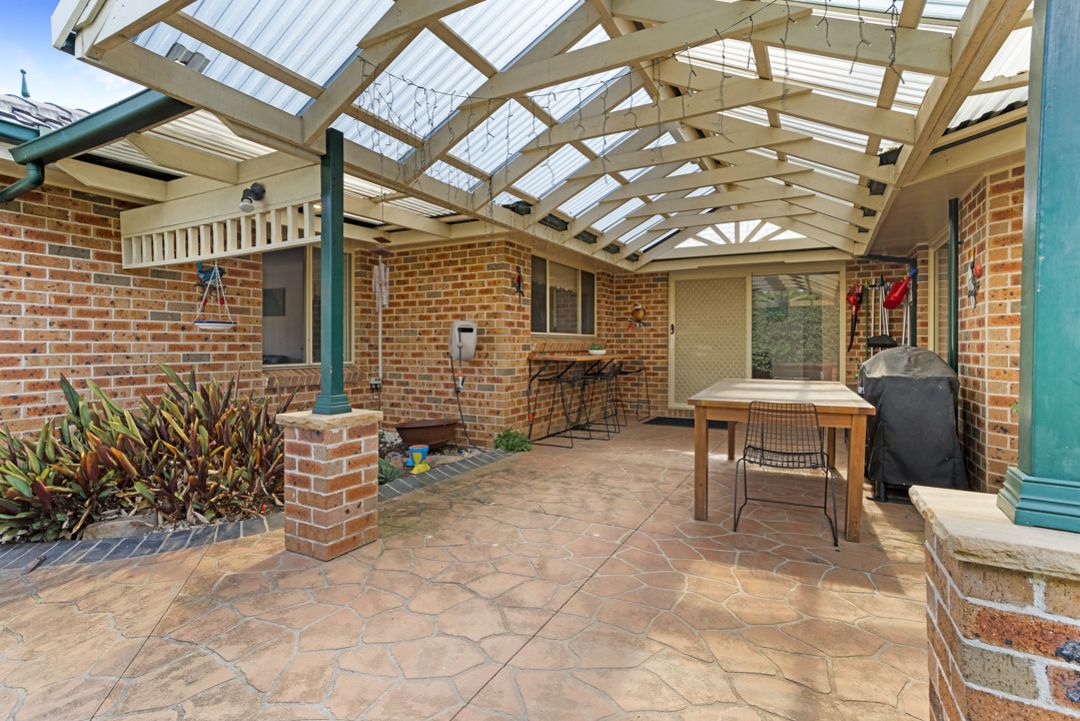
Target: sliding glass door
796 326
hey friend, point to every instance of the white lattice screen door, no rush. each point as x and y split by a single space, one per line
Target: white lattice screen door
711 334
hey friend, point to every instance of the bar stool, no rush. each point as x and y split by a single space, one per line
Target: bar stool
565 385
600 389
634 368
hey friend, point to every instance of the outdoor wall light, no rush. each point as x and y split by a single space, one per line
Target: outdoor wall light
257 191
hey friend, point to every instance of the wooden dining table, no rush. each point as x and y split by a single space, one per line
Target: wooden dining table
838 407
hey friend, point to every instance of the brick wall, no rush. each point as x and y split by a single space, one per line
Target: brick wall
70 309
1004 644
650 341
429 289
862 270
991 232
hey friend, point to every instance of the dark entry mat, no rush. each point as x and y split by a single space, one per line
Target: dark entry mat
683 423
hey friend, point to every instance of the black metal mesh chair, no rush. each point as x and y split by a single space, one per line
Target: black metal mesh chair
634 368
787 436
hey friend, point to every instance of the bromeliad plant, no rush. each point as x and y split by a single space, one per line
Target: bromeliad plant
197 454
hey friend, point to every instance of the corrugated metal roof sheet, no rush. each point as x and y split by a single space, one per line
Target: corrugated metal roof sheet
520 24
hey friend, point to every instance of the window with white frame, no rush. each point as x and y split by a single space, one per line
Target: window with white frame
563 298
292 306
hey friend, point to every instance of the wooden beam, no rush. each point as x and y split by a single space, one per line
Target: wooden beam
114 181
737 93
800 145
846 114
684 151
185 158
1000 83
712 250
207 35
923 51
118 21
707 178
143 66
386 213
348 84
1007 142
765 256
557 39
681 221
718 200
410 16
721 20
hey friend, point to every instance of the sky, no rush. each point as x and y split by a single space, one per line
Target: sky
53 76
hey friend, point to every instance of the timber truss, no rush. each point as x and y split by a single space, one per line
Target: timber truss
694 141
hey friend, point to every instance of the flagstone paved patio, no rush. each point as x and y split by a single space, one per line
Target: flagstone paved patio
561 585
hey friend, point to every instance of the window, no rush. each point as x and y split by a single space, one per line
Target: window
292 306
563 299
795 326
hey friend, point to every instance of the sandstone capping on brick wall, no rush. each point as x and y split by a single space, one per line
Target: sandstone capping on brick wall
1003 611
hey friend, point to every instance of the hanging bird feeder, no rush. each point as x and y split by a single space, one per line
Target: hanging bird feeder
213 297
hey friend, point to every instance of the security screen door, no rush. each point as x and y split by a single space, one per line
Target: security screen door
709 334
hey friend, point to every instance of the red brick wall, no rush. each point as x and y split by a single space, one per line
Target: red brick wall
991 232
431 287
70 309
649 341
862 270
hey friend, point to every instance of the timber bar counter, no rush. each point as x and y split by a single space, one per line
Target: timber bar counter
837 406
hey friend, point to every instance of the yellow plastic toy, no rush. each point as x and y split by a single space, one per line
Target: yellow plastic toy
419 459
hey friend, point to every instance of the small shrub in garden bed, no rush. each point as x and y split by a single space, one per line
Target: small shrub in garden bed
512 442
198 454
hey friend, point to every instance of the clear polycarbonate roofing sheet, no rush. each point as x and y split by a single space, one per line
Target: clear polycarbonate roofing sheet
590 196
313 38
1013 58
520 23
454 176
422 87
500 136
951 10
550 173
162 38
372 139
639 230
422 207
618 214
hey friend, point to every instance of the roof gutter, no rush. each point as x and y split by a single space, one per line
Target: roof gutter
142 110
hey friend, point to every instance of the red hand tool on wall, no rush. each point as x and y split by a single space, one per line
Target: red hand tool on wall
854 299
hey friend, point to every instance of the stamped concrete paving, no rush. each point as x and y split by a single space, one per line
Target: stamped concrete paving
561 585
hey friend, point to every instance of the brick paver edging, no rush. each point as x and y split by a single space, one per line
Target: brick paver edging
408 482
17 556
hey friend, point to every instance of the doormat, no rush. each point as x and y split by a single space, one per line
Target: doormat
683 423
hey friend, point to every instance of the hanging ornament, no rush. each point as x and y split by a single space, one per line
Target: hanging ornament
210 280
637 316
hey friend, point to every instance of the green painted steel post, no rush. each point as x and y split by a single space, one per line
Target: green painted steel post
954 283
332 399
1044 490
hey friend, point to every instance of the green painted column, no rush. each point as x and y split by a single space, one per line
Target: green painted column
1045 489
332 399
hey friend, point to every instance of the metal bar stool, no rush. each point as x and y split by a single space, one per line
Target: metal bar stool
789 436
634 368
601 390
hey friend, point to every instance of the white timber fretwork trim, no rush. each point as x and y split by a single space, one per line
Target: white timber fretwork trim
210 225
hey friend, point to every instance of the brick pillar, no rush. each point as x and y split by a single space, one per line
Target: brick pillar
331 481
1003 613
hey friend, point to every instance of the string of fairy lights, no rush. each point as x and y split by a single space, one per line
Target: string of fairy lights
399 129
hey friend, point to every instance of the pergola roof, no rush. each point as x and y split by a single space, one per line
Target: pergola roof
631 130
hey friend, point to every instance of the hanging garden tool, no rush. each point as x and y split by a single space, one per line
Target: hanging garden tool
899 291
854 299
210 280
